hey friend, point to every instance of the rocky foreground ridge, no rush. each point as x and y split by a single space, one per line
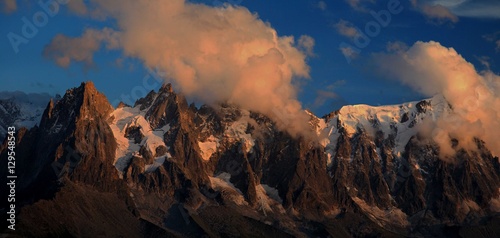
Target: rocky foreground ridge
164 168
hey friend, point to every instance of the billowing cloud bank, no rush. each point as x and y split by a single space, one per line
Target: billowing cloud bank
213 54
431 69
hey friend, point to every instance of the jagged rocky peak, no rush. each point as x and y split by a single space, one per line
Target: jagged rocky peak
82 103
167 106
94 100
73 140
76 129
220 168
167 88
122 104
145 102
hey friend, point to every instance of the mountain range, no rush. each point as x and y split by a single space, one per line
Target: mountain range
166 168
21 109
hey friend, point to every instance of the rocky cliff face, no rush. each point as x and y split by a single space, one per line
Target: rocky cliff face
167 168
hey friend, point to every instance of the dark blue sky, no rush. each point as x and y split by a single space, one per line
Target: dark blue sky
474 36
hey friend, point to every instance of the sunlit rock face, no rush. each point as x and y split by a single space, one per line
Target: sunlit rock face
166 168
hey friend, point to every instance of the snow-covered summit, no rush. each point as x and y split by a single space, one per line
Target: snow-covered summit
399 121
367 117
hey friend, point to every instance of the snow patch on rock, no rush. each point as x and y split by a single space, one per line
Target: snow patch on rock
495 203
156 164
268 199
127 117
391 215
208 147
272 193
222 184
237 131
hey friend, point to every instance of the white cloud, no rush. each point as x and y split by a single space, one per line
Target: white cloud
430 68
474 8
468 8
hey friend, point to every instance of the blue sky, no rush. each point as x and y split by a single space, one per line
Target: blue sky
334 81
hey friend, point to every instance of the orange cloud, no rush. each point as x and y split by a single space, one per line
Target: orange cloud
215 54
435 11
9 6
64 50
